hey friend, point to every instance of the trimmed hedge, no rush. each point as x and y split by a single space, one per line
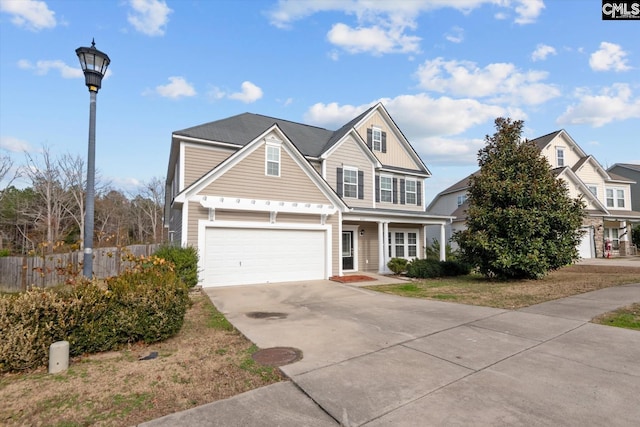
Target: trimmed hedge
431 268
397 265
146 303
185 261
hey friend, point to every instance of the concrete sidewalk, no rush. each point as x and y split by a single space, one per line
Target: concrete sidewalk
375 359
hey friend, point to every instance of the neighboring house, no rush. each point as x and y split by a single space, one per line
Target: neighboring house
269 200
632 173
607 196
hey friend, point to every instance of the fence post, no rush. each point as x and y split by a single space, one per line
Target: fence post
23 281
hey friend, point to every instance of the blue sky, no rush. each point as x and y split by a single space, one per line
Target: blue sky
445 69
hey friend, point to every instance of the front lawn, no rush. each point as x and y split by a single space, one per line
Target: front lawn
476 290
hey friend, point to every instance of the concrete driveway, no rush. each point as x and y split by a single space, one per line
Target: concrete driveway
380 360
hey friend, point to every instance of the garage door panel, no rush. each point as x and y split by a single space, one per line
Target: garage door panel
242 256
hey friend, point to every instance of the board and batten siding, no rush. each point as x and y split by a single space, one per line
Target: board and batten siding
248 179
348 154
396 154
200 160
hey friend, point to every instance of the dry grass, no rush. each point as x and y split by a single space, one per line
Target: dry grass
477 290
207 361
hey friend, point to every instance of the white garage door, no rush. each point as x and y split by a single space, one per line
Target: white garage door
235 256
586 249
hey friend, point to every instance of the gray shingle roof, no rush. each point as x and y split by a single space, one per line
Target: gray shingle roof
542 141
244 128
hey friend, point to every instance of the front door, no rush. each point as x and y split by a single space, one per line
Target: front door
347 250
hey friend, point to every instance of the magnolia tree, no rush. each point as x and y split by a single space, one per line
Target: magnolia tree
521 221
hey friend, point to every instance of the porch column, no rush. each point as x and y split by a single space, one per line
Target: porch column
383 244
624 238
443 244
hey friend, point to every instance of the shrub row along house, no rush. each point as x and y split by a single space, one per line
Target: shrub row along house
269 200
607 194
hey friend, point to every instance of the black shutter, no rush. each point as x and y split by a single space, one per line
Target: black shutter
418 193
360 185
339 182
395 191
370 138
384 142
377 188
402 200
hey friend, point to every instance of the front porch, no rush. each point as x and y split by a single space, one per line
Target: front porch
369 240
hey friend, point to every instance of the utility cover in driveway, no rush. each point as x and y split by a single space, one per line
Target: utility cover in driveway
237 256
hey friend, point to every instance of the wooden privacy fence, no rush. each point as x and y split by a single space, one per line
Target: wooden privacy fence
19 273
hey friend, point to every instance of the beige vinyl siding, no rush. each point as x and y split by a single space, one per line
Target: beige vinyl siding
317 166
196 213
550 152
368 248
221 215
348 154
247 179
396 154
200 160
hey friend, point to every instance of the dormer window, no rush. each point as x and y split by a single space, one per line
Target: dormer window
560 156
376 139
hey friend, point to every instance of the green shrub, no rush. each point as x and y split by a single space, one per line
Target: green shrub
146 303
430 268
185 261
397 265
454 268
424 268
5 252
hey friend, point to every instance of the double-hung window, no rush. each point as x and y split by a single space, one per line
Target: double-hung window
376 139
410 191
272 166
593 189
350 182
386 189
403 244
615 198
560 156
461 199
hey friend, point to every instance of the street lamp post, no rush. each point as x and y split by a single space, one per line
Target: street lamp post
94 66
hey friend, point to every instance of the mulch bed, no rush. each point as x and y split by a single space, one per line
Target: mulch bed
351 278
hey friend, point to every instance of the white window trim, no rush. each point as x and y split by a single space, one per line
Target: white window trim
392 242
344 181
407 192
375 130
615 198
559 157
390 190
267 161
595 186
461 199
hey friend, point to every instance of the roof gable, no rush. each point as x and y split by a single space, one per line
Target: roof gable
249 149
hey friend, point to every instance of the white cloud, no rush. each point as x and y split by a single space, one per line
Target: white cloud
542 52
31 14
249 93
374 39
13 144
609 57
177 87
149 17
528 11
456 35
500 82
614 103
42 67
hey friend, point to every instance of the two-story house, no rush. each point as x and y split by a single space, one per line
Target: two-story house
269 200
606 194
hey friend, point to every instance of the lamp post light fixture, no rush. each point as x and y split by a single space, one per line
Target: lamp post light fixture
94 66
